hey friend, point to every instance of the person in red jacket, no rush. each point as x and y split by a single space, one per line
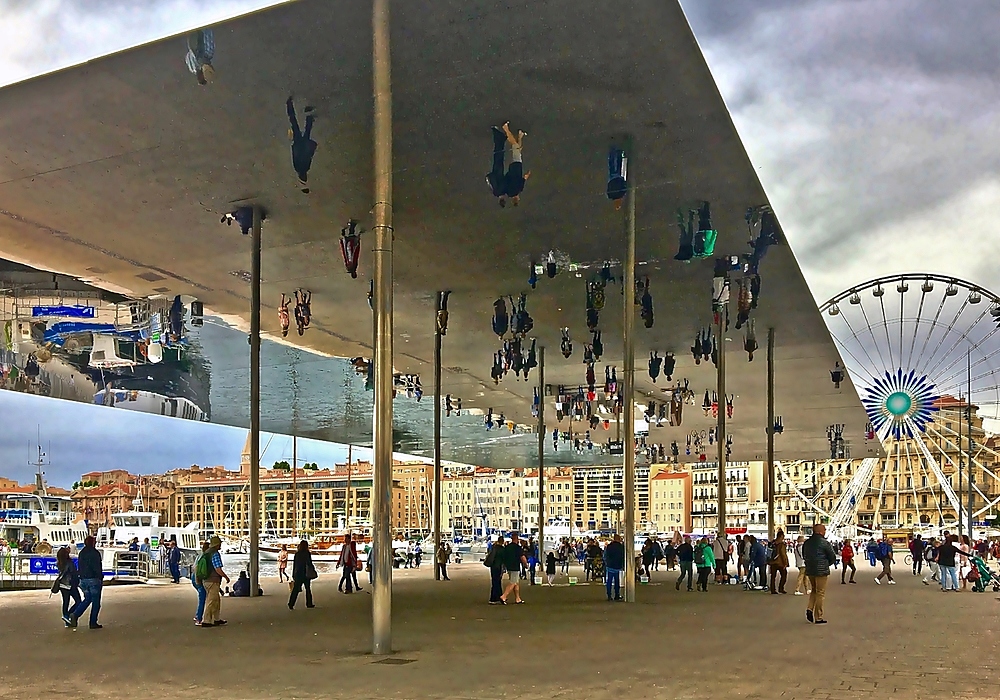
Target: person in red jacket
847 556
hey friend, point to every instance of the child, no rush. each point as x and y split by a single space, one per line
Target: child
550 567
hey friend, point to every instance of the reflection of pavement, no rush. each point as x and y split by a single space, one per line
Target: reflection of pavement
907 641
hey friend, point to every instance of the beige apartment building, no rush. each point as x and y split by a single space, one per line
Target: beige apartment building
670 501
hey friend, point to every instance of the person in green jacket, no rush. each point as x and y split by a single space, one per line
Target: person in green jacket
704 559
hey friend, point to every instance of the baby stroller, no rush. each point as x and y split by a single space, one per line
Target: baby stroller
596 566
983 576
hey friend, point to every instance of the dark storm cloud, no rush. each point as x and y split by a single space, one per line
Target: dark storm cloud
862 116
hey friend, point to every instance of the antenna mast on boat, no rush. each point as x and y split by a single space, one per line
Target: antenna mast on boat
39 463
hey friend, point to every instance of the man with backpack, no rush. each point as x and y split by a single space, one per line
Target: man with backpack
884 552
209 571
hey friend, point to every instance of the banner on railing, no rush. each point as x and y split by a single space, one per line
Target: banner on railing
43 565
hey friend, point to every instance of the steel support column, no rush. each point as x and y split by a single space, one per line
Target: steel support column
437 440
541 460
628 383
770 434
255 404
381 504
720 437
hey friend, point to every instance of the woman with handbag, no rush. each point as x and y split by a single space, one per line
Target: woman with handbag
67 583
303 572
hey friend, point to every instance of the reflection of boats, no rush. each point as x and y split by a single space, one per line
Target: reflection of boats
150 402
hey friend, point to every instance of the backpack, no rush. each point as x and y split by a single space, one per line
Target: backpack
929 554
490 557
699 556
203 567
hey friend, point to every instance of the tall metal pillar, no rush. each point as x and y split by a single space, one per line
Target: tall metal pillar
770 434
255 405
437 441
720 436
628 384
382 419
541 458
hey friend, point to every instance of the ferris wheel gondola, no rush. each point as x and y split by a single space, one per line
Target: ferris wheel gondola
923 352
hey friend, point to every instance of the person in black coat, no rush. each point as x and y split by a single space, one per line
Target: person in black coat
303 572
67 583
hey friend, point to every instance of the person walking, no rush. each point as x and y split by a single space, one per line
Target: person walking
550 567
199 587
931 557
946 561
532 559
494 562
802 582
349 563
283 564
704 559
91 571
213 579
917 546
847 556
819 557
614 564
67 583
884 551
779 562
513 559
303 572
758 562
720 551
685 555
174 560
441 559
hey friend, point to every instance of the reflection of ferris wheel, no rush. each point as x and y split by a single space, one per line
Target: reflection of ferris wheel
917 347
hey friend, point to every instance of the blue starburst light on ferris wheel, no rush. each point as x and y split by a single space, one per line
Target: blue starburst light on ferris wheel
900 401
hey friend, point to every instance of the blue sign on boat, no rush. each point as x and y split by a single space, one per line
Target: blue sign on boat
43 565
74 311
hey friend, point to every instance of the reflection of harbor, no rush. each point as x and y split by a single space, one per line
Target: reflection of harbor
65 339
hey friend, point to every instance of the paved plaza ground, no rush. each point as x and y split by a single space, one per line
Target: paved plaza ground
907 641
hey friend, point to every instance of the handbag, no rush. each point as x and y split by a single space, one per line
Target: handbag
312 573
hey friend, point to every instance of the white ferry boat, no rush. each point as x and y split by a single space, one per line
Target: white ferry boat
142 525
34 518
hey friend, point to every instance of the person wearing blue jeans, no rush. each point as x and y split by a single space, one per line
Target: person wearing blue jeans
91 582
946 561
199 586
614 564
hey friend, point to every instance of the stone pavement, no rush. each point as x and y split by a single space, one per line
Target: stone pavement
908 641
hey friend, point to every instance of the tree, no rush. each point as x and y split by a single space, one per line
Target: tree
283 465
310 466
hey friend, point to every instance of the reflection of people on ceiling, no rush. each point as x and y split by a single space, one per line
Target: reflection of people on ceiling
442 312
516 177
242 216
750 342
303 309
350 247
668 366
646 305
566 345
495 178
686 249
283 314
501 321
598 345
617 174
303 147
550 265
655 361
201 51
176 319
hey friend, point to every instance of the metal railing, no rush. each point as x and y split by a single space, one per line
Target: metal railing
40 570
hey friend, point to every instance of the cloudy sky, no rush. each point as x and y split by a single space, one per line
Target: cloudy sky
873 124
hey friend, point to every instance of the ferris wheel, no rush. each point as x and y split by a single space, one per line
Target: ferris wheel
923 351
